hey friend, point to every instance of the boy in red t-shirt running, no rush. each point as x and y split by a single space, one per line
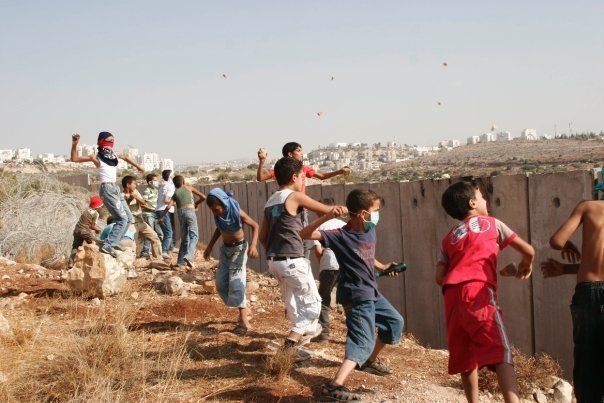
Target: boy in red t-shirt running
466 270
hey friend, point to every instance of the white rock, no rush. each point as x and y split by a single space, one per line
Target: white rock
50 357
174 286
563 392
253 298
5 277
96 302
3 377
261 310
97 273
22 295
5 326
134 295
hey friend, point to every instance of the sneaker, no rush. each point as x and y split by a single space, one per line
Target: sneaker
145 255
300 355
308 336
109 250
189 263
165 255
117 247
376 367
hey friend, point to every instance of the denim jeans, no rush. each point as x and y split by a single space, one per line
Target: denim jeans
167 241
231 275
188 235
119 210
587 310
298 292
151 220
327 281
361 320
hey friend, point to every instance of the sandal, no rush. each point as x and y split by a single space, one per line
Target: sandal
341 393
376 367
240 330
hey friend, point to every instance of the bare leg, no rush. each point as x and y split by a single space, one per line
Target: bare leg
470 385
507 382
345 369
379 345
243 318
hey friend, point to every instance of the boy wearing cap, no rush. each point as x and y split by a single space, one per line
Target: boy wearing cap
86 228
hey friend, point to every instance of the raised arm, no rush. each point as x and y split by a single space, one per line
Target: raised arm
561 238
299 199
202 196
132 162
326 175
262 174
525 267
75 157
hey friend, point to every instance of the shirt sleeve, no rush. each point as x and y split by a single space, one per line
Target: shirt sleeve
308 171
329 237
504 234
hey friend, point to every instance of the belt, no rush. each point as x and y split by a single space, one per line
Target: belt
239 242
281 258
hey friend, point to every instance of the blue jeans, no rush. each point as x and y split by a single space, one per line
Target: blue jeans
151 220
188 234
118 208
361 320
166 228
587 310
231 275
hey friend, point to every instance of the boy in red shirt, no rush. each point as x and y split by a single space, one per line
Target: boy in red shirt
466 270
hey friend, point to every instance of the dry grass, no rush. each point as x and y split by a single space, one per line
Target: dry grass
280 364
98 359
532 373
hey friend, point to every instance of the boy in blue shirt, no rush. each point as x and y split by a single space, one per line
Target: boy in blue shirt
365 307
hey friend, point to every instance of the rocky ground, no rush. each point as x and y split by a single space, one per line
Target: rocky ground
166 335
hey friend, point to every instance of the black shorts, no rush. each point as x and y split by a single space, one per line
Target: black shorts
587 310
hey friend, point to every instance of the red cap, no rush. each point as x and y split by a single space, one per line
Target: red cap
96 202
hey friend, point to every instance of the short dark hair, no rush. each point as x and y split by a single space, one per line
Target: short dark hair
109 220
456 199
178 180
128 179
285 168
150 177
289 148
212 201
359 199
165 174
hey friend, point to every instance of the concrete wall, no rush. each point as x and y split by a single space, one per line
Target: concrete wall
412 224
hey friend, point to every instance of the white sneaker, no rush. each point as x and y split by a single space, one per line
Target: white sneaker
306 337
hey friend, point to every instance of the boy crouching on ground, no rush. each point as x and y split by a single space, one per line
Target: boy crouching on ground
467 273
231 272
366 309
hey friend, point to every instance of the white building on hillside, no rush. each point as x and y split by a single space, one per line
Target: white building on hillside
23 155
167 163
6 155
473 140
504 136
529 134
486 138
150 161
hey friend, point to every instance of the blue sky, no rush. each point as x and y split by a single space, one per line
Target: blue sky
151 72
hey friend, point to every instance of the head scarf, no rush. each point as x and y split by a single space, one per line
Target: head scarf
105 149
230 221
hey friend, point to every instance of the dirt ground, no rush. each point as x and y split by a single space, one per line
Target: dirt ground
218 364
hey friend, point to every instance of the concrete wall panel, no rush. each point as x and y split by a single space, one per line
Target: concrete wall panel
509 195
552 197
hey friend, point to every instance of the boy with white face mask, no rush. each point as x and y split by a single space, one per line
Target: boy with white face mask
366 309
150 198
